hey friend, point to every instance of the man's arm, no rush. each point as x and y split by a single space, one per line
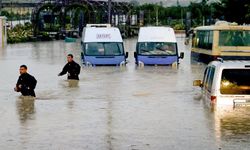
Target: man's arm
33 83
18 85
64 71
78 69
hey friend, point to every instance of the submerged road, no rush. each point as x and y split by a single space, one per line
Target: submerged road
111 108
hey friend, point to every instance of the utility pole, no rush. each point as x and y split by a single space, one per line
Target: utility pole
157 15
109 11
0 7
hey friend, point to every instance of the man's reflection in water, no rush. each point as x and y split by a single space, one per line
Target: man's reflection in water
25 107
73 86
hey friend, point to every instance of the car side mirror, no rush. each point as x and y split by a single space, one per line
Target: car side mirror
135 54
197 83
181 55
126 55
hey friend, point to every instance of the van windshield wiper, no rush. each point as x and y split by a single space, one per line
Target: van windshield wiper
144 50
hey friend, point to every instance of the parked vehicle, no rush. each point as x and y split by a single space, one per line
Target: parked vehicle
102 45
226 83
157 46
225 40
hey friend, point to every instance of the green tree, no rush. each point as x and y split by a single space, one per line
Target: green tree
200 12
233 10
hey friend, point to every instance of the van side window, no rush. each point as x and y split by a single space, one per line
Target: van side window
210 78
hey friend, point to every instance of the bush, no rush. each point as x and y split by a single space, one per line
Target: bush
179 27
20 33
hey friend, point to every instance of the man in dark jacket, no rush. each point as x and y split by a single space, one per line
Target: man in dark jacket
26 83
72 68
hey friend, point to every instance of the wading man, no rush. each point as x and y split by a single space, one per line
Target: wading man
26 83
71 68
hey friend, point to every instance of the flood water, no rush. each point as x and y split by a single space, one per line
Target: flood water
111 108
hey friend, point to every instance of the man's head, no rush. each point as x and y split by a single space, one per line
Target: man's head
23 69
70 57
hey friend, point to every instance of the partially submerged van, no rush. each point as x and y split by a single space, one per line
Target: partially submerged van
226 83
102 45
157 46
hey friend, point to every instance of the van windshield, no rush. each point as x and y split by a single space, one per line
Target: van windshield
157 48
235 81
104 49
234 38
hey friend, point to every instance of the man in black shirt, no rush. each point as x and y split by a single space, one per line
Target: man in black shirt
72 68
26 83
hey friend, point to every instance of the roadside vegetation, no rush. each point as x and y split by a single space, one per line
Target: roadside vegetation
179 17
20 33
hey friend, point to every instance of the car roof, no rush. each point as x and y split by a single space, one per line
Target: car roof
223 25
101 34
156 34
230 64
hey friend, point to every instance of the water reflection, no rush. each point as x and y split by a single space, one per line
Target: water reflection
231 127
71 89
2 52
25 108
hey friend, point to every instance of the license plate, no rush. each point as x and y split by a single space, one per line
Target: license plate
241 103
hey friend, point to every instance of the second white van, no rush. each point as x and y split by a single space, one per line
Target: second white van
157 46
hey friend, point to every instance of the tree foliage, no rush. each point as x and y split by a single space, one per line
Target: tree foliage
233 10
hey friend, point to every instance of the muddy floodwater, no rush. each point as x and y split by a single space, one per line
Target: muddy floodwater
111 108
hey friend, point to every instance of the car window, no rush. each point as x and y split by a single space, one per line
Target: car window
204 77
203 39
235 81
208 79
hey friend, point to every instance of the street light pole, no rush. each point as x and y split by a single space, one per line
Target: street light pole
157 15
0 7
109 11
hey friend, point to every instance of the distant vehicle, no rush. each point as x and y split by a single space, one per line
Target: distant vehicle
102 45
225 40
157 46
226 83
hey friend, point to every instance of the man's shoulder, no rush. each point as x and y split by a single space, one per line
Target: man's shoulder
30 76
76 63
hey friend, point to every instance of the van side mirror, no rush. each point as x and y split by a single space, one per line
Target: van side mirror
135 54
126 55
197 83
181 55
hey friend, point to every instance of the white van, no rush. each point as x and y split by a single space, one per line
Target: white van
226 83
102 45
157 46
